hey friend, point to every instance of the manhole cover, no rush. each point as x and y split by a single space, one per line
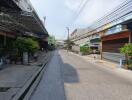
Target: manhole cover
4 89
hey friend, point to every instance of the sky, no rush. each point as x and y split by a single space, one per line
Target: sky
71 13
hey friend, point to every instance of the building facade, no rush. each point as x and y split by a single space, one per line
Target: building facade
110 32
18 18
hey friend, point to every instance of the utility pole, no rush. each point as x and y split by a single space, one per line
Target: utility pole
68 37
130 36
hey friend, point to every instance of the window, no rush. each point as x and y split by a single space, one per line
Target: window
114 30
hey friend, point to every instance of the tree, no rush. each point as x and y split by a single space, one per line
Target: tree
51 42
69 44
26 45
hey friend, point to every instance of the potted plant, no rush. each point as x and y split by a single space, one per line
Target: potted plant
127 51
1 61
26 46
84 50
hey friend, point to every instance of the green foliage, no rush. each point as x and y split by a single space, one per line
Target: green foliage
126 49
51 43
26 45
51 40
84 49
130 64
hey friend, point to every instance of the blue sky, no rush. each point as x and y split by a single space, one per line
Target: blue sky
62 13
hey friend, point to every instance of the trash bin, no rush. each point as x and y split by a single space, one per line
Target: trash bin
25 58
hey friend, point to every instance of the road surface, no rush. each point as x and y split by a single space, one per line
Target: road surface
68 77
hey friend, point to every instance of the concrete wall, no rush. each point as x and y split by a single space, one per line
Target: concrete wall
76 48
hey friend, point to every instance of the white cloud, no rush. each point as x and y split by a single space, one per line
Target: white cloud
73 4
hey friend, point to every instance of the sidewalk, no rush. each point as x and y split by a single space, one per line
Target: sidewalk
98 60
114 67
14 77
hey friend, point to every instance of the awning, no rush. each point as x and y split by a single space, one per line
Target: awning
14 19
8 24
21 23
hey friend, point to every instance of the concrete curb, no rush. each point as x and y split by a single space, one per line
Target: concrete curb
23 93
36 83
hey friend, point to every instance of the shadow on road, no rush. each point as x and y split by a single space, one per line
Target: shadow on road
69 73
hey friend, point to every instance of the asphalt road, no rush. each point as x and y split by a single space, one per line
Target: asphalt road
68 77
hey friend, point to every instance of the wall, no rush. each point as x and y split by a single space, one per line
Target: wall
76 48
111 45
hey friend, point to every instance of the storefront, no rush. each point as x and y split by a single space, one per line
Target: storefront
112 41
95 44
6 45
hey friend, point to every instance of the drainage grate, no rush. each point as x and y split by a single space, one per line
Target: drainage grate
4 89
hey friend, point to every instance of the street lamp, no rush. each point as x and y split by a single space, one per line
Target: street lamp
68 31
68 37
44 20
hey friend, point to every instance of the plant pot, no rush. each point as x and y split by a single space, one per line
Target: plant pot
1 63
25 58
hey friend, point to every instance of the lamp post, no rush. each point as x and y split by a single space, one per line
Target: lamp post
44 20
68 37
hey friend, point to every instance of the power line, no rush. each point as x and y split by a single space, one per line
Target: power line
76 11
79 6
82 6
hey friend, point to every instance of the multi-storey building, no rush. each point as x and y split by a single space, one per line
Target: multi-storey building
18 18
111 31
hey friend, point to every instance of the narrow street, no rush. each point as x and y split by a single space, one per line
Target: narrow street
36 34
68 77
